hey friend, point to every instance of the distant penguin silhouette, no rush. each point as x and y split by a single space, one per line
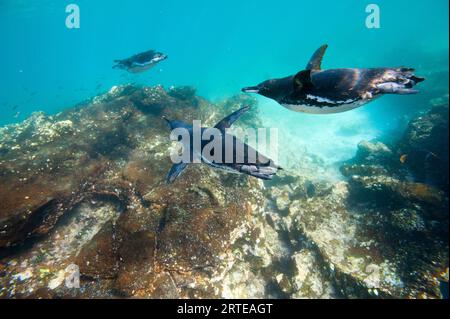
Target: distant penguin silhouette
140 62
336 90
244 158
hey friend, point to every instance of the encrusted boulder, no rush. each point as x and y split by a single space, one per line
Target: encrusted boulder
373 152
99 170
384 191
425 146
183 93
84 192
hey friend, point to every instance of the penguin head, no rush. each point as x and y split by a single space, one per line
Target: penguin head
119 64
159 57
273 89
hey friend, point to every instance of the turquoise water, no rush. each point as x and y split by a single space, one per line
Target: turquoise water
220 47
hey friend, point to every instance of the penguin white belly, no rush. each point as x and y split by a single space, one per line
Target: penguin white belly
221 167
138 68
312 109
315 104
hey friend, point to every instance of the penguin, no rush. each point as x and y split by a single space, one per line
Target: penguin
243 160
318 91
140 62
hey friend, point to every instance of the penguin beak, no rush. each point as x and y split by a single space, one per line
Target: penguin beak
251 89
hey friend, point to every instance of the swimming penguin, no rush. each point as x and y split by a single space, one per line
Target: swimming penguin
244 159
336 90
140 62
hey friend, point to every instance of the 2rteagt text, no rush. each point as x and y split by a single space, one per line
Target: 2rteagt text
226 308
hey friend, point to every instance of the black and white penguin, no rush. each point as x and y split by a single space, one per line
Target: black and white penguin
235 157
336 90
140 62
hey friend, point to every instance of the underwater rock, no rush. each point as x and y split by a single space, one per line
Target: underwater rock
194 228
65 158
98 258
350 265
352 233
359 248
387 191
167 242
250 118
114 93
56 166
281 197
408 220
86 187
425 145
439 101
349 170
407 217
150 100
288 186
38 268
308 280
373 152
182 92
373 160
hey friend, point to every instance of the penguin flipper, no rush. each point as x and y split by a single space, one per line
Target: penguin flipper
230 119
175 171
302 80
316 60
